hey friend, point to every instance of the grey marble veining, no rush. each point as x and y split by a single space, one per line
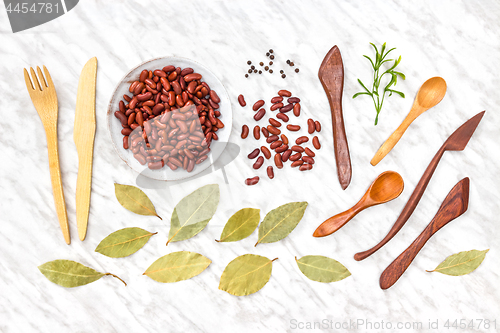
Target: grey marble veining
458 40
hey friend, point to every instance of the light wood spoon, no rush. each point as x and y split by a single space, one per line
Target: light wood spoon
386 187
428 96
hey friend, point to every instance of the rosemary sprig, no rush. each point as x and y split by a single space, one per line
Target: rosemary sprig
378 98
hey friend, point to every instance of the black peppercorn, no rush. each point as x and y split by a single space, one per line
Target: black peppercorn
260 72
272 57
266 68
270 62
271 51
283 76
261 63
249 71
246 75
267 54
249 62
292 64
255 71
252 67
271 71
288 61
281 71
296 70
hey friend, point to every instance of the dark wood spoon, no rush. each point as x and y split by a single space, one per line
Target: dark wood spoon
457 141
454 205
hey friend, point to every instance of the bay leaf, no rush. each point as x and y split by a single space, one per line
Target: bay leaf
69 274
135 200
461 263
322 269
177 266
124 242
241 225
279 222
193 212
246 274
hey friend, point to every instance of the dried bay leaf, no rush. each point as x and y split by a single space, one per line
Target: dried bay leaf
240 225
177 266
135 200
279 222
322 269
124 242
193 212
246 274
461 263
69 274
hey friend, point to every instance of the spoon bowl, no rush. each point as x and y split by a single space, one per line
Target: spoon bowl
386 187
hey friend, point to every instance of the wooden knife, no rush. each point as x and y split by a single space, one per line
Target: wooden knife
331 75
83 135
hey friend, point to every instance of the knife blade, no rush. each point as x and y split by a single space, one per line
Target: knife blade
331 75
83 135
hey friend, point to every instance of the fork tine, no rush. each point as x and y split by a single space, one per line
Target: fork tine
35 79
41 78
27 79
47 77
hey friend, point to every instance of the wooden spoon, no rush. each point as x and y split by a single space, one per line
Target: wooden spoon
386 187
454 205
428 96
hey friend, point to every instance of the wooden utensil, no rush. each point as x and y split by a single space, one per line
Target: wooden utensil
386 187
44 98
83 135
454 205
455 142
331 75
428 96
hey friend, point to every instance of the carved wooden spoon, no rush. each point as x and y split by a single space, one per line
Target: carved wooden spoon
454 205
386 187
428 96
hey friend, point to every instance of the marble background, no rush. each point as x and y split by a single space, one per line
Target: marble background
458 40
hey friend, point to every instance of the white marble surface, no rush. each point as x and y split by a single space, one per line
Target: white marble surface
458 40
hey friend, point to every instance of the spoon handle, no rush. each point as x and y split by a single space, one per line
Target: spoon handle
409 207
336 222
392 140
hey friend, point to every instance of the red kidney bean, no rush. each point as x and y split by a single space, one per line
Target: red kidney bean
140 158
282 117
296 163
286 108
168 69
317 124
293 100
298 149
186 71
122 117
296 109
273 130
151 83
144 97
316 143
274 122
127 97
286 155
258 163
284 93
276 106
126 131
191 164
258 105
278 161
311 127
256 132
131 119
272 138
156 165
252 181
132 86
125 142
301 140
266 152
276 144
305 167
270 172
276 99
121 106
308 159
258 116
309 152
194 76
281 149
143 76
284 138
254 153
213 95
293 128
244 132
295 157
241 100
172 76
265 132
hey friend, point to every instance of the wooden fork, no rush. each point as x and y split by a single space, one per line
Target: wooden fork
44 98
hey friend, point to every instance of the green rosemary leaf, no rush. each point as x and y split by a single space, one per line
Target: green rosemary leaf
360 93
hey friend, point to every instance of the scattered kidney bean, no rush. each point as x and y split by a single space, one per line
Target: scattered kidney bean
284 93
244 131
276 106
270 172
286 155
256 132
308 159
295 157
266 152
272 138
287 108
309 152
301 140
276 144
305 167
293 128
284 138
265 132
274 122
241 100
258 163
316 143
258 116
293 100
258 105
278 161
273 130
283 117
311 127
254 153
281 149
317 124
296 109
276 99
298 149
252 181
296 163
